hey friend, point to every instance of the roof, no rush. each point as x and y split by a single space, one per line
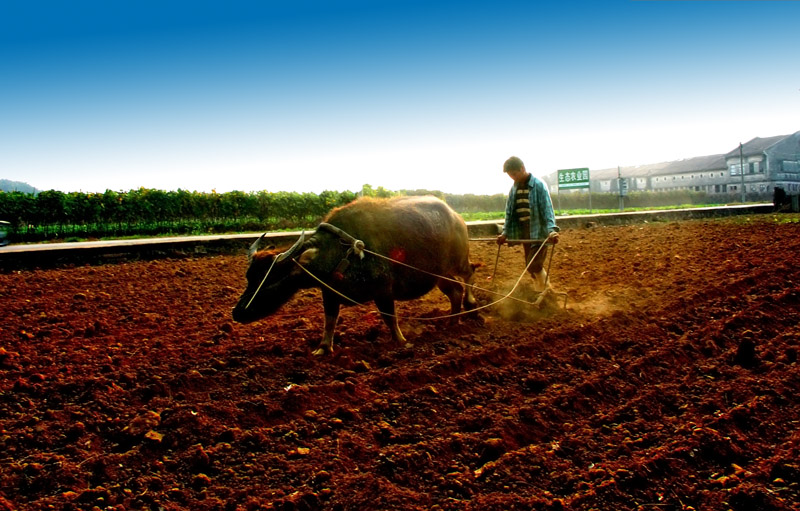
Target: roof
756 146
696 164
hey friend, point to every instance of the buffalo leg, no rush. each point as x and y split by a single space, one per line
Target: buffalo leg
469 298
387 310
454 292
331 306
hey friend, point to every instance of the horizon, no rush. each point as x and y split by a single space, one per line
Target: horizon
308 97
370 185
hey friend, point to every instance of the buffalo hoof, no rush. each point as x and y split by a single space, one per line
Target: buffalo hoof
321 351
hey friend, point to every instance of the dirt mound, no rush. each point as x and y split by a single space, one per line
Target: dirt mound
669 381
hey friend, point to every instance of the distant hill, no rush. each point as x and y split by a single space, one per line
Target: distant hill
7 185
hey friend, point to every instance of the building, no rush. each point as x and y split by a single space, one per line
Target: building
768 163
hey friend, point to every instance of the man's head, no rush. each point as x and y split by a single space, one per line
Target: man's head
515 169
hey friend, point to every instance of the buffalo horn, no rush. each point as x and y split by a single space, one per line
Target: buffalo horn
254 247
291 251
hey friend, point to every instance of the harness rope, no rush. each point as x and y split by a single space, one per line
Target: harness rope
262 283
417 318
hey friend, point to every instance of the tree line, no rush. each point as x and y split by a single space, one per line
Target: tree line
52 214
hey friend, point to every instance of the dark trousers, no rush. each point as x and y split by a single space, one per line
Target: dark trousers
538 264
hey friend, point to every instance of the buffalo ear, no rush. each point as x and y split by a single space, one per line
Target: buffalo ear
307 256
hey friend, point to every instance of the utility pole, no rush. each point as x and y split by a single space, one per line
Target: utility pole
741 169
558 196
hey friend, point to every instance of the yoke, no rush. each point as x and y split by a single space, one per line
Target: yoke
356 247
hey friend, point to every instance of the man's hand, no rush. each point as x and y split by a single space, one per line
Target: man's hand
501 238
553 238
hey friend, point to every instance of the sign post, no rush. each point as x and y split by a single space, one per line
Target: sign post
571 179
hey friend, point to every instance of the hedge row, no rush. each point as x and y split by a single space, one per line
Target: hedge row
53 214
146 212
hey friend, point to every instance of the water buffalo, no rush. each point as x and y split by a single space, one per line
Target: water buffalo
422 232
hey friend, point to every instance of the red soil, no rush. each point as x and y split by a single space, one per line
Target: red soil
669 382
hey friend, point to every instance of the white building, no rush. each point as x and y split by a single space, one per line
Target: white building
768 163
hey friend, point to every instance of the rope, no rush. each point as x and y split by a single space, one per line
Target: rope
552 234
262 282
418 318
511 241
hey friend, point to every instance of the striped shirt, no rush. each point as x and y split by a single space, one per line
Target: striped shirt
522 207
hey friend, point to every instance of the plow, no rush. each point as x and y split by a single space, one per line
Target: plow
542 295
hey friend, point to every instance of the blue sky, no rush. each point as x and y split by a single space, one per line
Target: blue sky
311 96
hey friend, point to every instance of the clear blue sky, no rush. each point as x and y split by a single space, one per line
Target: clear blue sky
311 96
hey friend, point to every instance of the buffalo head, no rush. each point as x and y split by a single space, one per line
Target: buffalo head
272 279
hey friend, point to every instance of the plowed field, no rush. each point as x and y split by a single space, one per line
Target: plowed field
670 381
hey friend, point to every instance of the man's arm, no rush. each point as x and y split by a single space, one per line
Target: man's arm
546 212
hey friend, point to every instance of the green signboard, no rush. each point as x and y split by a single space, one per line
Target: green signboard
573 178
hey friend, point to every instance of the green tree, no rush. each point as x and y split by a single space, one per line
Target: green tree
51 208
17 207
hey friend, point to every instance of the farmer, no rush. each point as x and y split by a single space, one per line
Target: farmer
529 215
